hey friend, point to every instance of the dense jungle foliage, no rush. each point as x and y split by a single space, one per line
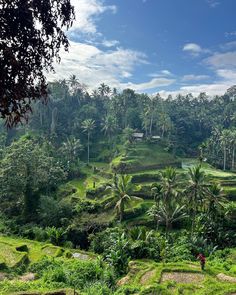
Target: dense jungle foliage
143 183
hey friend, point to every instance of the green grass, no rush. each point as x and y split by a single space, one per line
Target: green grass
37 250
9 256
144 156
83 188
146 276
208 169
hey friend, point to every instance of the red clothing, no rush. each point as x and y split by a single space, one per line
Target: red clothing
202 258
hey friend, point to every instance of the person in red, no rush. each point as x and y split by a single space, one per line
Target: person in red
202 260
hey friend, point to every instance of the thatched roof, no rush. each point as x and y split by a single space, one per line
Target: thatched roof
138 135
156 137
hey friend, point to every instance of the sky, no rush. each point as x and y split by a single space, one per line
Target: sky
153 46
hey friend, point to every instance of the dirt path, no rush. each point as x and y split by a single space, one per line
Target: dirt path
182 277
147 276
225 278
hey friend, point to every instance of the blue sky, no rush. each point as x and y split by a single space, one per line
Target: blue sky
166 46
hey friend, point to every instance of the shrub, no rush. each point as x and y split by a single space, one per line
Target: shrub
87 206
40 234
52 212
56 235
98 288
68 254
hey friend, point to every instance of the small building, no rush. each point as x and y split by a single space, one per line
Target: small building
138 136
155 137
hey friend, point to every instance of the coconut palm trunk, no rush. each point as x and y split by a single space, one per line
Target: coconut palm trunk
88 147
233 157
224 164
121 211
151 124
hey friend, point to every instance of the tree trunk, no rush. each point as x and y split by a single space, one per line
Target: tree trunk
121 211
41 116
88 147
151 123
163 131
167 227
233 155
224 158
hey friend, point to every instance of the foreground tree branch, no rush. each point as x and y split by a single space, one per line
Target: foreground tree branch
31 36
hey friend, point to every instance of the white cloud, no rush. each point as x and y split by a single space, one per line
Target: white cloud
226 78
230 34
110 43
194 77
222 60
93 66
228 75
213 3
228 46
210 89
166 72
152 84
194 49
160 74
86 13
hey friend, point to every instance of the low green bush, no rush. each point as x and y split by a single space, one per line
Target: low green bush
145 177
95 192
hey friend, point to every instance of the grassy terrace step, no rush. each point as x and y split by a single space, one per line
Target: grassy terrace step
174 278
141 157
10 257
101 175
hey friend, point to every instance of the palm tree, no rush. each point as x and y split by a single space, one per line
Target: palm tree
233 144
165 123
196 190
71 148
224 141
157 193
145 121
104 90
88 126
128 134
121 189
215 200
168 214
109 126
169 183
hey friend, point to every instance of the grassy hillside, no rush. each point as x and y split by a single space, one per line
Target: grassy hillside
144 162
148 277
15 252
144 156
143 277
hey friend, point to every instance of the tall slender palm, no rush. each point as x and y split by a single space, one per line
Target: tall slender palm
71 148
215 199
109 126
196 190
224 141
157 194
164 123
233 145
169 183
88 126
144 116
104 89
168 214
121 189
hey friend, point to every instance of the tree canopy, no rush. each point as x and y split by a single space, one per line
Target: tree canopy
30 39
